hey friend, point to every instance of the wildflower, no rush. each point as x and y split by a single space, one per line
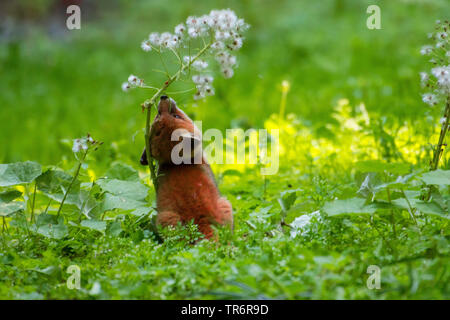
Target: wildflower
199 65
154 39
132 79
79 144
301 225
145 45
193 32
443 120
236 44
425 50
221 32
179 29
218 45
200 79
227 72
429 98
441 35
126 86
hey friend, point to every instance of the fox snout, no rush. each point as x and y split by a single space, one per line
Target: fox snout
170 127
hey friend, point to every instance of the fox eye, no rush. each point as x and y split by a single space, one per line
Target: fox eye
177 116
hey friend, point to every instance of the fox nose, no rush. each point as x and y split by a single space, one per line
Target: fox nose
164 97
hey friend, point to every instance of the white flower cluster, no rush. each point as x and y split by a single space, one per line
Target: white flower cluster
220 29
132 82
302 225
438 80
204 86
82 144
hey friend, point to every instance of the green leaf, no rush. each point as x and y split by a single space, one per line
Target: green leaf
48 228
111 202
380 166
353 205
94 225
439 177
9 208
142 211
124 189
54 183
432 208
114 229
9 196
287 199
123 172
19 173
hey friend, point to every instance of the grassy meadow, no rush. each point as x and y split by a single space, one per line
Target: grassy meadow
356 142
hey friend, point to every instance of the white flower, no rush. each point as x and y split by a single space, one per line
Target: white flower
429 98
154 39
301 224
179 29
443 120
441 35
222 35
218 45
126 86
424 77
192 21
79 144
236 44
201 79
193 32
199 64
132 79
145 45
227 72
426 50
225 59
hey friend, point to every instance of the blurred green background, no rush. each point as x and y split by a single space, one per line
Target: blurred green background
59 84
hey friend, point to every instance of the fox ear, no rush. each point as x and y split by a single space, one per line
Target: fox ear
144 160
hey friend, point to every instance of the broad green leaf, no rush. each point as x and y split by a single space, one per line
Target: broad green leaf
353 205
114 229
439 177
380 166
55 231
111 202
287 199
19 173
54 183
9 196
431 208
9 208
141 211
124 189
123 172
94 225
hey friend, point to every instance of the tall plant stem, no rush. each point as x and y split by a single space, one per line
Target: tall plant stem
33 203
438 150
77 172
439 147
150 103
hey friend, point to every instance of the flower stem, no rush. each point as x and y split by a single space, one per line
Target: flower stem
77 172
149 104
438 150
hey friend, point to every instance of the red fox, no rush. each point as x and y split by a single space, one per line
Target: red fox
184 191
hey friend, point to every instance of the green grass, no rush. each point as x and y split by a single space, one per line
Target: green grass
61 87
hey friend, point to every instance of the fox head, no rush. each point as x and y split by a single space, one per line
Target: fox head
172 128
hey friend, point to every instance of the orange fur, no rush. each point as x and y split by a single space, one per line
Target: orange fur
185 191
